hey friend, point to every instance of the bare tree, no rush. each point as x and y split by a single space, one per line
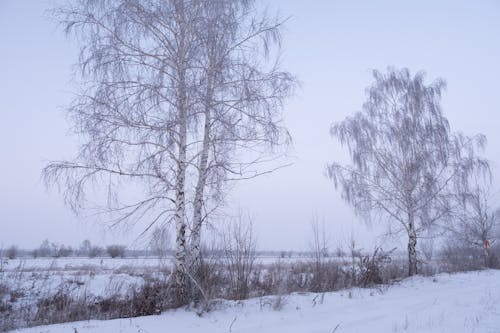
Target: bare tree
319 247
116 250
45 249
138 79
427 247
239 244
95 251
12 252
160 241
89 250
404 158
477 220
85 247
241 102
173 93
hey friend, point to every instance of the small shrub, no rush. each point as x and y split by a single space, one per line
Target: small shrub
151 299
45 249
84 248
211 281
160 242
239 256
64 251
115 251
59 308
371 267
12 252
95 251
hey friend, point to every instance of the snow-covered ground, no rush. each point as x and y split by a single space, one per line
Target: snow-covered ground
80 263
464 302
112 264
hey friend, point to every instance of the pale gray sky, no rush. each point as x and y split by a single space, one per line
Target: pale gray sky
330 45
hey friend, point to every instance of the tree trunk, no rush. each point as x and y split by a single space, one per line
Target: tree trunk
180 271
412 248
195 247
181 280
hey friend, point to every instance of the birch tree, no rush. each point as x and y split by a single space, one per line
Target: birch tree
241 101
405 160
175 96
477 219
138 82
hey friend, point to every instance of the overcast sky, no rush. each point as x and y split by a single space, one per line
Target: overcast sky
330 45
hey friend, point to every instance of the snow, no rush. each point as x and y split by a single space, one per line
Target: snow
463 302
84 269
79 263
35 284
101 264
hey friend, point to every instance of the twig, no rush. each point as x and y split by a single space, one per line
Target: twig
231 326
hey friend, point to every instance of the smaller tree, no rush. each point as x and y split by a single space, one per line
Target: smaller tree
85 247
160 242
95 251
239 245
478 222
45 249
115 251
54 250
427 248
405 160
319 247
64 251
12 252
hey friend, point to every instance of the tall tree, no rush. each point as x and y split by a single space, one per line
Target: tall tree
138 78
174 94
241 101
405 160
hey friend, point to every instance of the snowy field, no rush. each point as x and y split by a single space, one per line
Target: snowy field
111 264
95 276
464 302
80 264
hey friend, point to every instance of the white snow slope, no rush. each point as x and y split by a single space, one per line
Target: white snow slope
464 302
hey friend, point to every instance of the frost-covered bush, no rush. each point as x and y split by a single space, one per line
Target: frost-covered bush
95 251
12 252
115 251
